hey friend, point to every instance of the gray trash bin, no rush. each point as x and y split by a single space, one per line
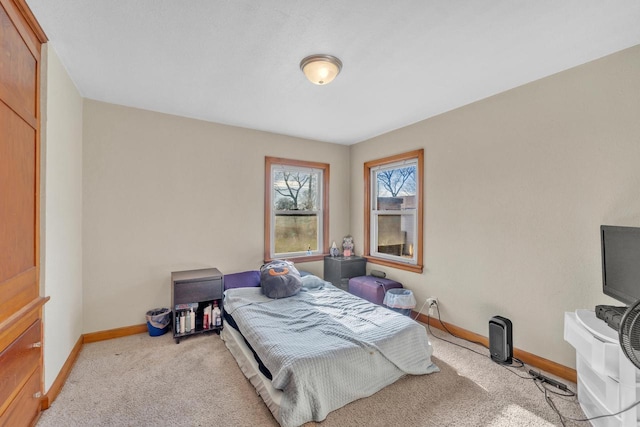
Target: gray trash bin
400 300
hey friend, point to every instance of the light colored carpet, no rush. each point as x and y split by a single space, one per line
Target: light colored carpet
151 381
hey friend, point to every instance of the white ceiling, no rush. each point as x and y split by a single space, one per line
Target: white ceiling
236 62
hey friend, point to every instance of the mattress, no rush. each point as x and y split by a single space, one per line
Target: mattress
323 347
249 367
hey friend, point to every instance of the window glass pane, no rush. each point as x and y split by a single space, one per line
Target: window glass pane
395 188
396 234
296 232
396 203
394 210
295 190
296 220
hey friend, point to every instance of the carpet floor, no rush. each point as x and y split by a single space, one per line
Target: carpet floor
151 381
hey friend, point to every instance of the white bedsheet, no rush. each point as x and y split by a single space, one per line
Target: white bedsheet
326 348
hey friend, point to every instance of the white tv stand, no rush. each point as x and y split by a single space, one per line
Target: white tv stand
607 381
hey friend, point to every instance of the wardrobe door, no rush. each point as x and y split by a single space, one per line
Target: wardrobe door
20 300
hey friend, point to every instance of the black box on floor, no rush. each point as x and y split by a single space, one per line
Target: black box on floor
501 340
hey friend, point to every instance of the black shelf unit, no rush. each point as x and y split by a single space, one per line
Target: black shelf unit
203 286
338 270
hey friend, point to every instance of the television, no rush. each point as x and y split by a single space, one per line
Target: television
621 262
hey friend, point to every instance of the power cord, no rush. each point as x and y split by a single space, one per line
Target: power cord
452 334
419 311
633 405
538 379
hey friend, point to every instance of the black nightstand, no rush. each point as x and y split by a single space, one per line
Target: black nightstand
197 289
338 270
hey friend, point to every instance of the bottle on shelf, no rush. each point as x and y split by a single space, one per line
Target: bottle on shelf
217 315
193 320
187 321
182 322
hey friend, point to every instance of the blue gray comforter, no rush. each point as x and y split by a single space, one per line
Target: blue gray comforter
325 347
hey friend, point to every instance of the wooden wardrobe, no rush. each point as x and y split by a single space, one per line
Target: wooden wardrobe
21 373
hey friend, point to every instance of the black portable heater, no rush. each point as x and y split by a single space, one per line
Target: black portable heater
501 340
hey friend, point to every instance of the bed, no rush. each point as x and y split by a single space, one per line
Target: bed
314 352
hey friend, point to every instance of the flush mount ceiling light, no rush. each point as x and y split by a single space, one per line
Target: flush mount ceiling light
321 69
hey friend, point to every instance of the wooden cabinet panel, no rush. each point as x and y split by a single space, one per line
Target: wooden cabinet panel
20 360
17 187
18 78
12 328
20 301
17 293
25 408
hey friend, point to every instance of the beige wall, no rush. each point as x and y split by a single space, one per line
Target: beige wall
61 213
164 193
516 188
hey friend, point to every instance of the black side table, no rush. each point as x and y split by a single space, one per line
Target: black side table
338 270
197 289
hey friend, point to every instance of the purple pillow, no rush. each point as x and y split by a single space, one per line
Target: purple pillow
246 279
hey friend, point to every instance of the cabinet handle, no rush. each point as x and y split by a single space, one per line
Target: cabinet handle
37 395
36 344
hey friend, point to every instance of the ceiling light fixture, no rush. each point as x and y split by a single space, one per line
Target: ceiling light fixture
321 69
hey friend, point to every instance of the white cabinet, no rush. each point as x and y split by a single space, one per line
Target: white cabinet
607 381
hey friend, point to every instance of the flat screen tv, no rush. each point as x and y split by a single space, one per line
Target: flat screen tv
621 262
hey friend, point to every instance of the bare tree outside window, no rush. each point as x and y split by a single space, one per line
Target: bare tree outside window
398 181
393 220
297 222
290 186
296 209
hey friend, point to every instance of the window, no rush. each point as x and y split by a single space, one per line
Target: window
296 209
393 211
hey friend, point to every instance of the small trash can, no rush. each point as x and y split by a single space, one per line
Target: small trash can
158 321
400 300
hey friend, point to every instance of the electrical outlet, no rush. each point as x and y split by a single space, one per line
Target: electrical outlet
431 302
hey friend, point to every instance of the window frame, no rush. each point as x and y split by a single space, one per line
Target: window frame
323 246
418 156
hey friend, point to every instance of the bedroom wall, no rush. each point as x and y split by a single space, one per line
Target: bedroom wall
516 187
61 213
164 193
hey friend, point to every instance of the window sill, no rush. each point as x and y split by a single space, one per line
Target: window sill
399 265
301 259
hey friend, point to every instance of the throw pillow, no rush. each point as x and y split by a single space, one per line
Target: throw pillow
280 279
